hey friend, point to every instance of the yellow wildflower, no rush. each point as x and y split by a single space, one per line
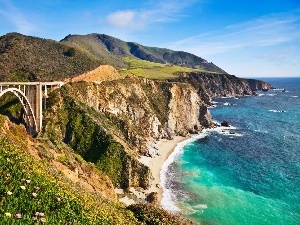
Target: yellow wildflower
8 214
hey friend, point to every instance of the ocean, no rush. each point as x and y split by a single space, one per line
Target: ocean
248 173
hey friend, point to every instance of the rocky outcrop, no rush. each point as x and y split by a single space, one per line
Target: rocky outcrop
225 123
221 85
187 112
143 109
111 122
258 85
153 198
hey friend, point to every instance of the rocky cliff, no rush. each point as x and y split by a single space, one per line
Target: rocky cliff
112 122
211 85
258 84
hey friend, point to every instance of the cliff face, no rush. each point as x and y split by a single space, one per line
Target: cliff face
258 84
112 122
221 85
187 112
143 109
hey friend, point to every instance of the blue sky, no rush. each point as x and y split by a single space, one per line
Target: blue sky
257 38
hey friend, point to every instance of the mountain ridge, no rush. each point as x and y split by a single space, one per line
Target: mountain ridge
153 54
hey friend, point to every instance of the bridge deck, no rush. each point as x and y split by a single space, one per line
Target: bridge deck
33 83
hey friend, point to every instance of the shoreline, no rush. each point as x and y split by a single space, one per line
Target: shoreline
164 148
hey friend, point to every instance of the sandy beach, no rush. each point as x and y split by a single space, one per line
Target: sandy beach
163 148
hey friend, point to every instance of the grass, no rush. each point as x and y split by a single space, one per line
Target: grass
32 192
156 71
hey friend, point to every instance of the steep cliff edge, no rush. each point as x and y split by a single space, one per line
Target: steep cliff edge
211 85
110 123
43 171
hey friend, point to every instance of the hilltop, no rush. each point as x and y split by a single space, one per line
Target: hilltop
105 43
27 58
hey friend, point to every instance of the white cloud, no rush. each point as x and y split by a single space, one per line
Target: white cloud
270 30
266 46
127 19
164 11
15 16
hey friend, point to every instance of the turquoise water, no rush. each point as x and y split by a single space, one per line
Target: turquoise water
248 174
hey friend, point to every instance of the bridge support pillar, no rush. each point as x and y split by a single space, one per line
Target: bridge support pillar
31 96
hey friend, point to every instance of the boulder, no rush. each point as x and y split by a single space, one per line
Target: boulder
152 197
225 124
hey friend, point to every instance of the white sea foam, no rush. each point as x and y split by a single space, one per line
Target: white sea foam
201 206
275 110
261 131
168 199
295 96
212 106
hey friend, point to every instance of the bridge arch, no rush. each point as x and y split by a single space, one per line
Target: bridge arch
29 114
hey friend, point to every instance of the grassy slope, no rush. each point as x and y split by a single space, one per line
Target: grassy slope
107 47
36 192
90 45
25 58
61 201
153 70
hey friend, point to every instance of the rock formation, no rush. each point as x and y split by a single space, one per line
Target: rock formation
111 122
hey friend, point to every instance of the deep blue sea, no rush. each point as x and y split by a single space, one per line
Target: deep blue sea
248 173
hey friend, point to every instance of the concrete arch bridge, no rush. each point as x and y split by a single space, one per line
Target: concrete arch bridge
31 95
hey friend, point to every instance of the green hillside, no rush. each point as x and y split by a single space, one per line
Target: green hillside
152 70
34 191
25 58
100 45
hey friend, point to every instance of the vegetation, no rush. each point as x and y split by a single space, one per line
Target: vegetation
11 107
82 128
25 58
152 70
99 45
32 192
